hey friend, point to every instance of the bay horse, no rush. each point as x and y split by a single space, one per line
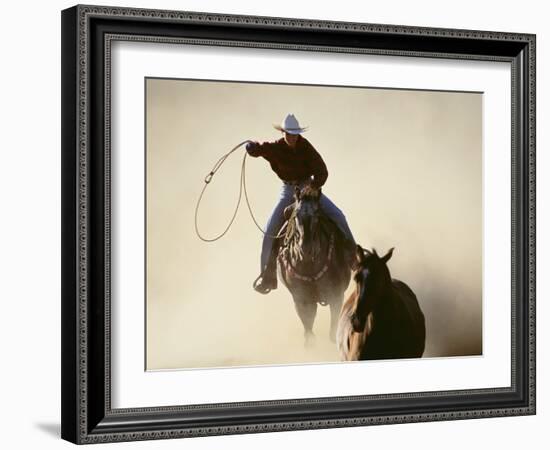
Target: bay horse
312 262
381 319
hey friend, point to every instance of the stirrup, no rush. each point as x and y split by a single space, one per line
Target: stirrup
257 285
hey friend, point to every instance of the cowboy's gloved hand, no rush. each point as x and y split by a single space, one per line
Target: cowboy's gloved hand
250 146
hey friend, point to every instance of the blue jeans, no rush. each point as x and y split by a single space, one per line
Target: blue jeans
276 220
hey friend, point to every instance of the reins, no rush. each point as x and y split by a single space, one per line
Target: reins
242 187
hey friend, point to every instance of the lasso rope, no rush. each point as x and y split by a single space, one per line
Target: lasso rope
242 187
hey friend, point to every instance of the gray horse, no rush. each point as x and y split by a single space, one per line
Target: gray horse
313 262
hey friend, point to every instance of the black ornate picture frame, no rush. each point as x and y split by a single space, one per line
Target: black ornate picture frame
87 35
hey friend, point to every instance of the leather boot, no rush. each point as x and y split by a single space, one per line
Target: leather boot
267 281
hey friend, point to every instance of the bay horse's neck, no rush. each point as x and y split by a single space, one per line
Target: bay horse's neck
385 305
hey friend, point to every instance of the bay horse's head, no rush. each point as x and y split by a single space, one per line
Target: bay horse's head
307 211
372 278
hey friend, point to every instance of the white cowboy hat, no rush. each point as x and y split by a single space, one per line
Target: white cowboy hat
290 125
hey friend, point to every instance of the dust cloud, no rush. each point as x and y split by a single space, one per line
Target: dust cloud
404 166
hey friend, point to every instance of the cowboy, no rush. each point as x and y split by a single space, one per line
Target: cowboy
296 163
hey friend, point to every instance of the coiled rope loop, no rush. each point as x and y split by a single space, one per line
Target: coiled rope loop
242 187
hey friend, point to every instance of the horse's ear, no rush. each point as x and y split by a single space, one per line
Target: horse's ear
387 256
359 254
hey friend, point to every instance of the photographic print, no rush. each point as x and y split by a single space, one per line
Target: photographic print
293 224
256 209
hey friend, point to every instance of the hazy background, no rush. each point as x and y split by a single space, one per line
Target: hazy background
415 157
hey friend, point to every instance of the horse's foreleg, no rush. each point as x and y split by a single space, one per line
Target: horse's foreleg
307 312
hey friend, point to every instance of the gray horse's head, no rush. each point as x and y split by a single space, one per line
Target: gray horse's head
307 211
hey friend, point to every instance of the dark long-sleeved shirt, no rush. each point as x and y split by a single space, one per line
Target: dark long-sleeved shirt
293 164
